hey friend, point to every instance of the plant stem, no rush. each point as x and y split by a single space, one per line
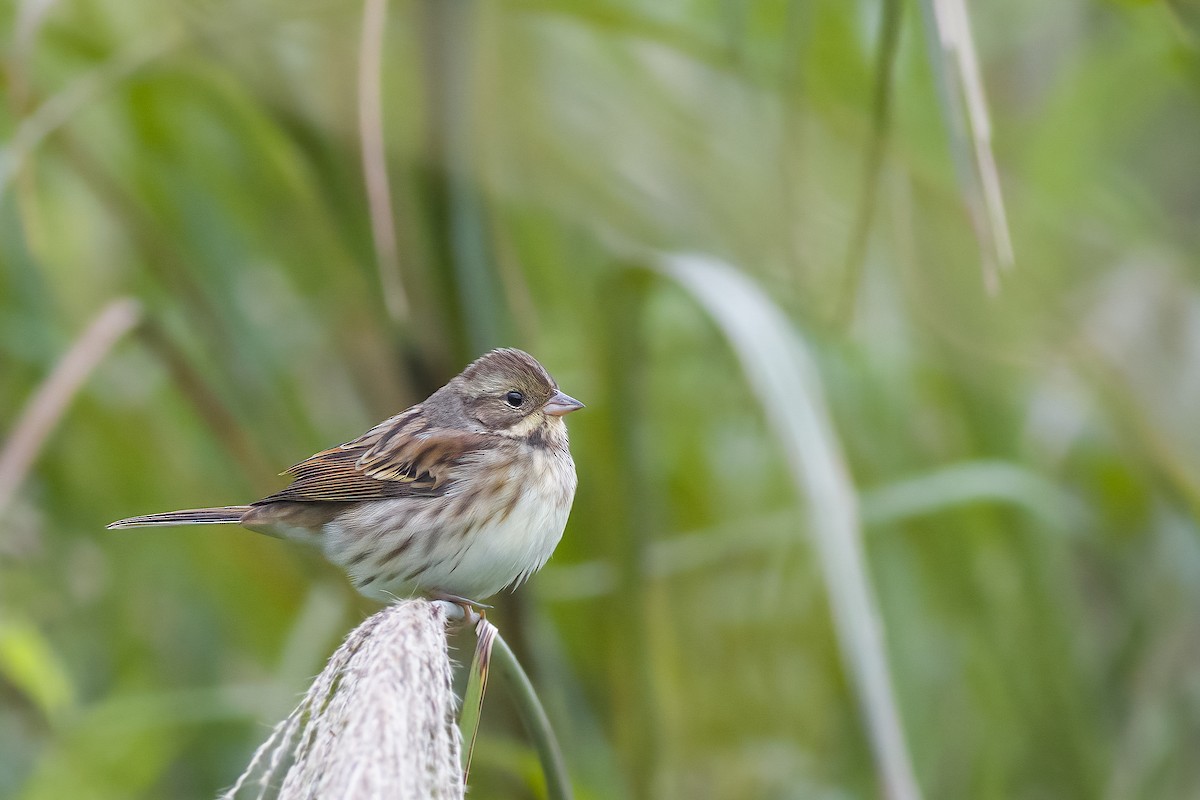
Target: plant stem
558 784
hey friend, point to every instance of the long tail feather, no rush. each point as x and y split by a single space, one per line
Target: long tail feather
193 516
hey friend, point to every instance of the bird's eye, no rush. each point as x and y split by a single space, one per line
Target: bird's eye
515 399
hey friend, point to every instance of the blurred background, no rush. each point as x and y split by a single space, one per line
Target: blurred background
233 233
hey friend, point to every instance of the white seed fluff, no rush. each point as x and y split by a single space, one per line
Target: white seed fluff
378 722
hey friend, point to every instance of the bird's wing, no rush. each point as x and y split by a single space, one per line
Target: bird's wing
401 457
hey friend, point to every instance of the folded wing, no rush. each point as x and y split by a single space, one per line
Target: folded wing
401 457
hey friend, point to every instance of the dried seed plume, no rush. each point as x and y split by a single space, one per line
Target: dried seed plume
378 722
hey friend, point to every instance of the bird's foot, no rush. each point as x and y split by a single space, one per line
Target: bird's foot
472 610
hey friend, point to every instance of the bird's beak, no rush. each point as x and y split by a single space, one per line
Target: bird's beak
561 404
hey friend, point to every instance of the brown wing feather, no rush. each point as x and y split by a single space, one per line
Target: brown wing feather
331 476
400 457
424 456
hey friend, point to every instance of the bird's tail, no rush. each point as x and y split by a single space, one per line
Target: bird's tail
193 516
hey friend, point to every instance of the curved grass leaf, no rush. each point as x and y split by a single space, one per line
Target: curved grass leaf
558 783
472 705
490 642
783 377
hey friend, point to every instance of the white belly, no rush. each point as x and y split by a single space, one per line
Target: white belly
471 542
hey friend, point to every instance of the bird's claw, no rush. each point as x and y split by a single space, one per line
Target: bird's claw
471 610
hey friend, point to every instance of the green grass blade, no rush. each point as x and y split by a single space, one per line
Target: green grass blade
881 114
781 373
558 783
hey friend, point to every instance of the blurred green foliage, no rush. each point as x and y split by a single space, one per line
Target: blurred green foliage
1028 462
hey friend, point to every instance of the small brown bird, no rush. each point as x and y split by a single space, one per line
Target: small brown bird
457 497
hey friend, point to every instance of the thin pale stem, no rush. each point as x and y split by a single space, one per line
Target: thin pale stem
374 157
964 110
48 404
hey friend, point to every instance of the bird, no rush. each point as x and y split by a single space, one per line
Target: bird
455 498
